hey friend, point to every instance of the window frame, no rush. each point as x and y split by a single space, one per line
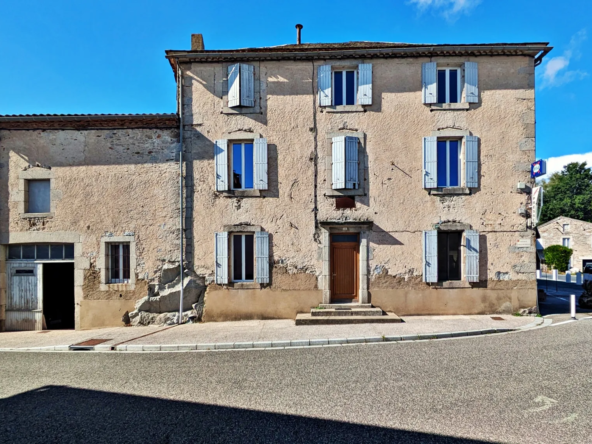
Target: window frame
565 228
460 153
447 84
231 163
120 279
243 257
343 72
563 239
460 259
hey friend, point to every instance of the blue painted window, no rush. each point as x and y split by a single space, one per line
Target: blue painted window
242 166
448 163
448 85
344 88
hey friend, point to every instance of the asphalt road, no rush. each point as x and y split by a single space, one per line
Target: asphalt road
529 387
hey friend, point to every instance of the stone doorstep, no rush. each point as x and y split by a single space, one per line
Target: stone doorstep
352 305
348 312
309 319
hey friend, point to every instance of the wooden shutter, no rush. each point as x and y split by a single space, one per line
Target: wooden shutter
338 158
221 271
221 156
472 255
234 85
351 163
262 257
428 75
430 256
471 82
365 84
471 161
260 173
247 85
430 162
324 85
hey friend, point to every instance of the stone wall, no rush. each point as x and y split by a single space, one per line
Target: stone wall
579 234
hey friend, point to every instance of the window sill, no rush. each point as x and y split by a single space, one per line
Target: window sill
344 109
452 284
345 192
245 285
118 287
449 191
36 215
449 106
241 193
241 110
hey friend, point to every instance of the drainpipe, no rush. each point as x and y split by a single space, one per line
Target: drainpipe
180 83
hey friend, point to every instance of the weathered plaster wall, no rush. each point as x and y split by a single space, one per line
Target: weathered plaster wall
296 129
579 234
104 182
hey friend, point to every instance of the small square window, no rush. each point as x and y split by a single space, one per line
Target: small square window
242 166
448 85
344 88
243 258
449 163
38 196
119 263
565 228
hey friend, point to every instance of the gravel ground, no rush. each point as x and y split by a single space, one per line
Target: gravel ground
529 387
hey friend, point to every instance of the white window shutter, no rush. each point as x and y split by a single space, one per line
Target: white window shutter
247 85
221 271
472 161
471 82
365 84
262 257
338 159
351 163
221 156
430 162
234 85
472 255
428 78
324 85
260 173
430 256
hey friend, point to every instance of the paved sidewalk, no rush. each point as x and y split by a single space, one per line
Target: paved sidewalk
258 331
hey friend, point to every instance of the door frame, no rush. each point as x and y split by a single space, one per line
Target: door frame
356 266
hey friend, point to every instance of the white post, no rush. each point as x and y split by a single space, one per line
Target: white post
538 274
579 278
568 278
554 275
572 306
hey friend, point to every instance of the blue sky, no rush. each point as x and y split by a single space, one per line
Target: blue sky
89 56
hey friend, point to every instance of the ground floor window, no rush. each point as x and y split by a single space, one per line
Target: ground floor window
243 257
119 263
449 256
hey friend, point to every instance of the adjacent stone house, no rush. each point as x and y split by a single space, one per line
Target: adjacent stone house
573 233
358 173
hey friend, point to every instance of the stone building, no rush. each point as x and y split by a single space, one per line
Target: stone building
358 173
573 233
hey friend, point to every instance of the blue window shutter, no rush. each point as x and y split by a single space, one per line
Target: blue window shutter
472 255
365 84
260 173
428 74
351 163
430 256
338 158
221 271
472 161
324 84
247 85
471 82
430 162
262 257
234 85
221 156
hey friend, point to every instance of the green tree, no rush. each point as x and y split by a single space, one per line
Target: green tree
558 256
568 193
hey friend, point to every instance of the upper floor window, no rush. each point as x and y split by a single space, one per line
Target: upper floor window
242 166
38 196
248 161
449 163
565 228
241 85
340 86
345 165
444 84
448 85
443 159
565 242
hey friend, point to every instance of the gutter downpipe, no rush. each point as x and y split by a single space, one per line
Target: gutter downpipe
180 83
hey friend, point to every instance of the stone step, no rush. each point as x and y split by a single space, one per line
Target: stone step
308 319
351 305
346 312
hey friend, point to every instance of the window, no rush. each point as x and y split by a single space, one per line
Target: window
38 196
119 263
243 257
565 228
449 163
242 166
241 85
41 251
448 85
345 163
449 256
565 242
443 252
344 88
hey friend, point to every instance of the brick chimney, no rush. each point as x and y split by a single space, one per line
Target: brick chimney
197 43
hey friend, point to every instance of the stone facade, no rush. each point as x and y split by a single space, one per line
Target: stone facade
578 235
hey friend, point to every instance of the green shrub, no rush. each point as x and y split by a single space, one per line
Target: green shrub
558 256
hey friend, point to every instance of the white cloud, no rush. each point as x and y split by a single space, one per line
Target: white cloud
450 9
555 70
556 164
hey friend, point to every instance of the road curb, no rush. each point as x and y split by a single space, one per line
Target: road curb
293 344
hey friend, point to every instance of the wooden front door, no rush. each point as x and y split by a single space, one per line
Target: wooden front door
344 267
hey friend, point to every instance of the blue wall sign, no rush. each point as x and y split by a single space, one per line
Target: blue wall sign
538 168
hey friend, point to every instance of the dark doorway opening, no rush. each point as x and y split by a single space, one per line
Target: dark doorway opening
58 295
449 256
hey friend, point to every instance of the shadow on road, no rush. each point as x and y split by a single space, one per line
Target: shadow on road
58 414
